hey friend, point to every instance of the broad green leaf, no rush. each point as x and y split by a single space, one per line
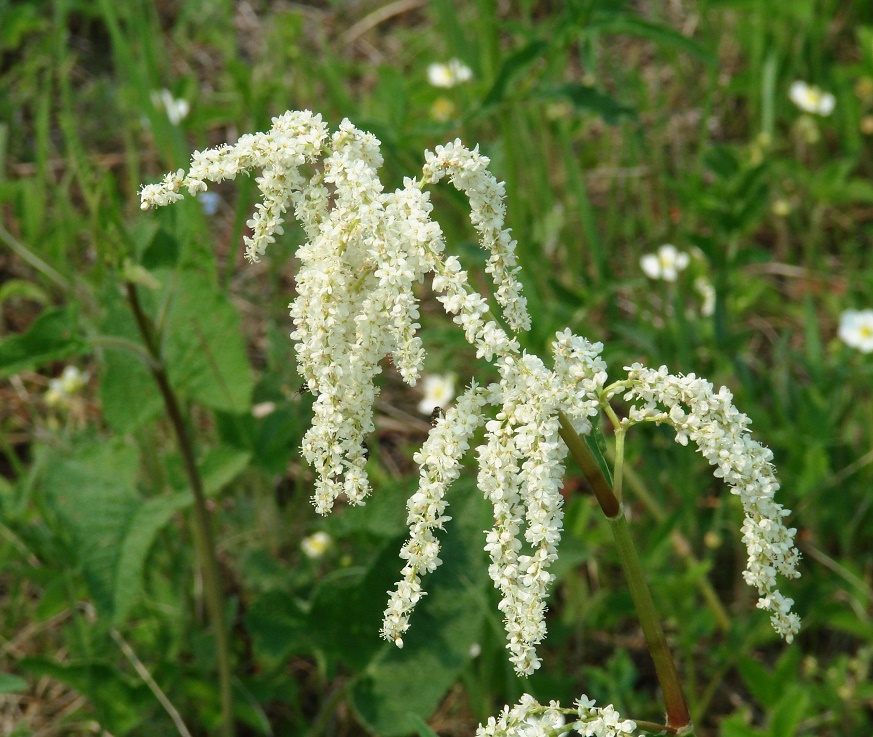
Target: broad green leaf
221 465
128 393
10 683
92 490
278 625
53 336
148 520
401 684
205 350
789 712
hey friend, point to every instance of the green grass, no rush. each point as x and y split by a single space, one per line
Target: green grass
617 127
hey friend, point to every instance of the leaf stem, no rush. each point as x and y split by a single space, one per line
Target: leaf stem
204 539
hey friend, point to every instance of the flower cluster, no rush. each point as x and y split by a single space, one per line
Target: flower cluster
529 718
439 461
710 420
366 250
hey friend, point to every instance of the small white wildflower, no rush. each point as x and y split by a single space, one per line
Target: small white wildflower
449 74
439 390
316 545
812 99
263 409
177 109
707 292
856 329
62 389
442 110
665 264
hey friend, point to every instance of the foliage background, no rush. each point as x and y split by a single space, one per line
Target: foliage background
618 126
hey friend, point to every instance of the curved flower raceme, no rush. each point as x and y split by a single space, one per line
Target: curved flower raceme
366 251
709 419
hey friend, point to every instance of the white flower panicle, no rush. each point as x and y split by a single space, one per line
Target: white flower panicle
295 138
439 461
366 251
710 420
468 172
521 466
529 718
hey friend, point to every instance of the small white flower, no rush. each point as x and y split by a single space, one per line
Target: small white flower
177 110
812 99
449 74
856 329
316 545
665 264
62 389
707 292
439 390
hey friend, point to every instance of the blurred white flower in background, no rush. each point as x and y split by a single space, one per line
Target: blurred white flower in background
177 110
451 73
812 99
439 390
316 545
666 263
707 294
60 390
856 329
442 110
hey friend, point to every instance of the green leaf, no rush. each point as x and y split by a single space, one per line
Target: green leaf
205 350
446 623
11 684
92 490
221 465
151 517
789 712
128 393
588 99
278 625
53 336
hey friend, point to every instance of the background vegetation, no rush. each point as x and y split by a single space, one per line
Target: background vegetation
618 126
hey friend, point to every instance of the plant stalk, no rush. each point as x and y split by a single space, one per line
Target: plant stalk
203 535
678 716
